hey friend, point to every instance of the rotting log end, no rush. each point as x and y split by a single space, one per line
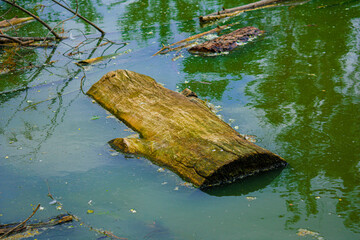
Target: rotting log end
244 167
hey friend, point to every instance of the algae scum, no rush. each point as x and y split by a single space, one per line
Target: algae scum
296 89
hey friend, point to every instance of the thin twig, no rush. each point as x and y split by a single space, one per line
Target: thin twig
31 38
169 49
62 22
81 17
20 224
34 16
11 38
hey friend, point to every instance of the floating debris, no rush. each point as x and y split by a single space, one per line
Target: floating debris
90 211
92 61
251 198
161 170
250 138
304 232
132 210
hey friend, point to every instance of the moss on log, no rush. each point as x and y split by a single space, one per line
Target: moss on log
228 41
179 131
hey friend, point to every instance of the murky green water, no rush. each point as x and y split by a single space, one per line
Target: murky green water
296 89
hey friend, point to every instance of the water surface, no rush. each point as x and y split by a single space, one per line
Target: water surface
296 89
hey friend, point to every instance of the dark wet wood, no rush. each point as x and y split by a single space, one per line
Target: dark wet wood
228 41
179 131
16 228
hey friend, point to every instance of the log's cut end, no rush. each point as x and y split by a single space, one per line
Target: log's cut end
227 42
179 131
244 167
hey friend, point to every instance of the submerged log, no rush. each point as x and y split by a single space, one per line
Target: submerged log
228 41
179 131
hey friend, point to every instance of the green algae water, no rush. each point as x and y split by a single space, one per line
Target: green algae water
296 89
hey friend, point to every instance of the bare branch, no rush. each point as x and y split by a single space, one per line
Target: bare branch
81 17
12 39
34 16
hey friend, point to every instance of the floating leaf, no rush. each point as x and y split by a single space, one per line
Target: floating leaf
90 211
94 117
132 210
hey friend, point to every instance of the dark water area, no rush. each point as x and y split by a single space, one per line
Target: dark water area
296 89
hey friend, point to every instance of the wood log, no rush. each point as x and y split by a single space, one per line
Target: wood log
179 131
228 41
234 11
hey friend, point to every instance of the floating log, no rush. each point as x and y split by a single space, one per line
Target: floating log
237 10
179 131
228 41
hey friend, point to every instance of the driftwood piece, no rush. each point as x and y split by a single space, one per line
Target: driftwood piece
179 131
14 21
237 10
228 41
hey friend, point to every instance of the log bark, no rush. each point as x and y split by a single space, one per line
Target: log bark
228 41
179 131
234 11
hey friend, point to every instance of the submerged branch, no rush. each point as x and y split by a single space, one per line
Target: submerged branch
20 224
